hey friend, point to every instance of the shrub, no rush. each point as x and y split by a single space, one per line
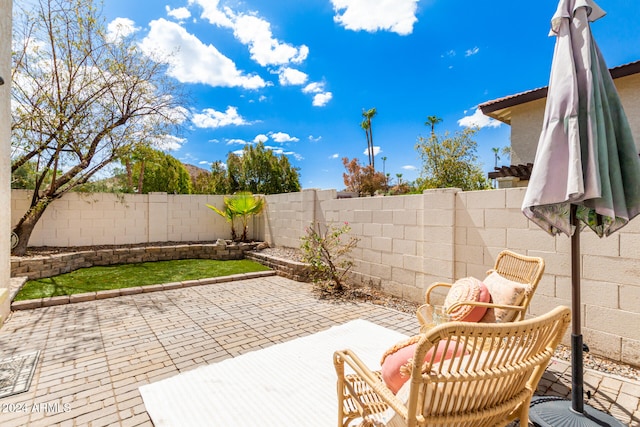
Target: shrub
327 249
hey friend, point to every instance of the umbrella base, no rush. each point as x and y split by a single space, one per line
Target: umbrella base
558 412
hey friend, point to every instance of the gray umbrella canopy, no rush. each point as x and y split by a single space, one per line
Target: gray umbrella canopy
586 173
586 154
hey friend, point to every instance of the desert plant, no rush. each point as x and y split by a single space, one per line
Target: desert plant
327 251
242 205
228 215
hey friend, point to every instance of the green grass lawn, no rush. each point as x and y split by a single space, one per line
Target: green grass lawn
129 275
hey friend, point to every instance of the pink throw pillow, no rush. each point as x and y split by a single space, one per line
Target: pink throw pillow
395 358
467 289
504 292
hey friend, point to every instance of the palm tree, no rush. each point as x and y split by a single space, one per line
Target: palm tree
366 125
228 215
506 151
433 121
244 204
386 181
496 156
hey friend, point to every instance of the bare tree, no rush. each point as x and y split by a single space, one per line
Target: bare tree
80 100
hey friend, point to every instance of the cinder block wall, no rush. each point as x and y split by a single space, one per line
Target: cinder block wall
406 243
80 219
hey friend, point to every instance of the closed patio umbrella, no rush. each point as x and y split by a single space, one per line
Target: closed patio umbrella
586 174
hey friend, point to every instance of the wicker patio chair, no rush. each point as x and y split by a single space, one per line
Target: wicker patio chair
521 269
491 385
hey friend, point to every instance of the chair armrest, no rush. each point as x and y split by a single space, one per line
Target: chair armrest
420 317
434 286
369 377
458 304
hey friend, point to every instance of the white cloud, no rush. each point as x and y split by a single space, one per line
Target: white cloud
372 15
283 137
211 119
321 99
313 88
212 12
478 120
409 167
237 141
255 32
280 151
180 13
471 52
191 61
314 138
334 156
264 49
168 142
260 138
376 150
178 114
120 28
291 76
204 162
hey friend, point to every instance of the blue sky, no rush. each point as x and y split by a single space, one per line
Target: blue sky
298 73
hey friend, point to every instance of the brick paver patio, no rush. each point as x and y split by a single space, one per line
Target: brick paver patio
95 355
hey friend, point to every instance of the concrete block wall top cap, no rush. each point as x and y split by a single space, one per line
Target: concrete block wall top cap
442 190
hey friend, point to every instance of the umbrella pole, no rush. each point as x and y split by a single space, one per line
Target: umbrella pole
552 411
577 371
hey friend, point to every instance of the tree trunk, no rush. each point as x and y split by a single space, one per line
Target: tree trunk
128 167
373 157
141 177
26 225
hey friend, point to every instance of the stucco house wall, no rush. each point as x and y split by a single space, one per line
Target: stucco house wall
526 123
5 154
524 112
629 91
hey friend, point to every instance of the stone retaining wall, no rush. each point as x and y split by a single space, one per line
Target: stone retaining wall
52 265
294 270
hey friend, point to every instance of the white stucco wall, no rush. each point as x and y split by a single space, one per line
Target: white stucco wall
5 152
526 120
526 124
